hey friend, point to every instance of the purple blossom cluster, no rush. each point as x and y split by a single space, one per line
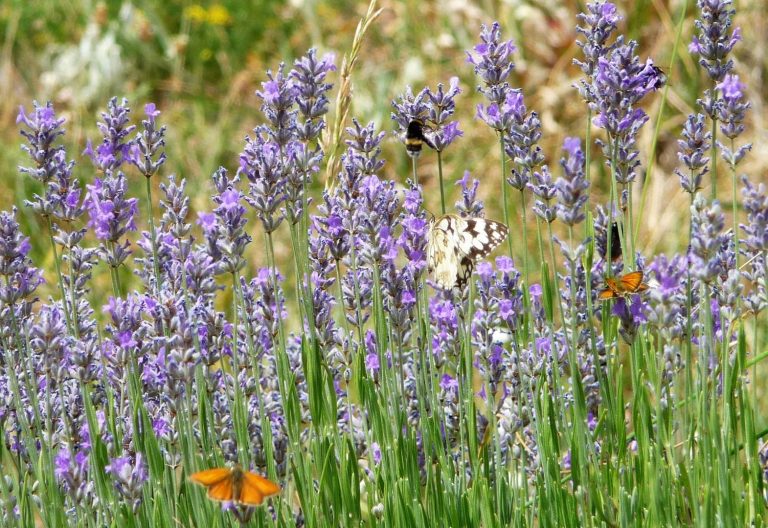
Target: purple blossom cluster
203 360
433 109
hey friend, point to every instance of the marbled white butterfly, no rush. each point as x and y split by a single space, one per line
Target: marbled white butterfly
455 243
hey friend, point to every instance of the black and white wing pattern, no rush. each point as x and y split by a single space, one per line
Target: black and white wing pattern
456 243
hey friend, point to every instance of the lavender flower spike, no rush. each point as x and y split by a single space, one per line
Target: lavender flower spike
111 215
308 81
713 43
731 113
441 108
599 22
492 59
114 149
572 186
50 167
147 149
129 478
693 148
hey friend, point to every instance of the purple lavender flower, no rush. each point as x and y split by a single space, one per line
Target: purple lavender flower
521 140
264 308
693 148
667 303
322 278
278 96
413 239
377 206
372 364
309 86
264 165
492 60
713 42
111 215
331 227
440 108
357 284
707 238
363 157
410 107
731 113
755 244
756 206
49 345
61 193
20 278
469 206
537 306
71 471
114 150
543 187
619 85
227 239
631 313
489 355
572 186
599 23
146 151
129 478
444 320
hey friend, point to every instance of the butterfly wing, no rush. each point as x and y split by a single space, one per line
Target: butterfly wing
255 488
611 290
615 242
443 253
210 477
631 282
222 491
606 294
219 482
482 236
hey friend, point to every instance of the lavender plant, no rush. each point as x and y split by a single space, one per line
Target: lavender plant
373 398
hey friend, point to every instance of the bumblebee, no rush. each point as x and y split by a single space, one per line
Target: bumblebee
415 138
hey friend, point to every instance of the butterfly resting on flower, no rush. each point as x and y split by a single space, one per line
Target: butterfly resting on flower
623 286
456 243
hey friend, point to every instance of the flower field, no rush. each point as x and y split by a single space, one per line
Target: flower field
446 309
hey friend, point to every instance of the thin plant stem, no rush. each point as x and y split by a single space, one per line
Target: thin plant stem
713 150
440 177
57 263
734 207
504 190
153 234
523 215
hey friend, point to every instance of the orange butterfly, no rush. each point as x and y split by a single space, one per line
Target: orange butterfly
242 487
625 285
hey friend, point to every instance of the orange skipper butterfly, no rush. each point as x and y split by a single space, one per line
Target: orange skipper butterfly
236 485
622 286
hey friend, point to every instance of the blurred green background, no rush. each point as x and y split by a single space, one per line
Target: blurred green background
201 62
